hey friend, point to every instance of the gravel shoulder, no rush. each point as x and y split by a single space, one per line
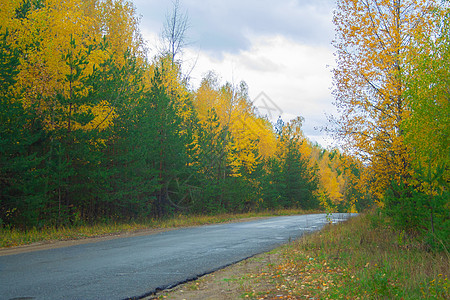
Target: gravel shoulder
232 282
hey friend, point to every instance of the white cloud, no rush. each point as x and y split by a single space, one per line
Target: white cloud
293 75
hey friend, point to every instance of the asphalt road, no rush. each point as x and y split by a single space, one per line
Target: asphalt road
137 266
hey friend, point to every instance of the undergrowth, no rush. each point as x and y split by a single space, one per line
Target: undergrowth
363 258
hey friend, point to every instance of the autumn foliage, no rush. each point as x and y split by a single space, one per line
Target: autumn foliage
91 129
391 89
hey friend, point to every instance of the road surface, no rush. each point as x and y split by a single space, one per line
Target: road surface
138 266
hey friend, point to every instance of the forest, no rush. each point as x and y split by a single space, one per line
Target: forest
94 130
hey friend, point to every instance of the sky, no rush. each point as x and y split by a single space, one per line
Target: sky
281 49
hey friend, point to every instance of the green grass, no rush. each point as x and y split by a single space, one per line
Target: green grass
363 258
14 237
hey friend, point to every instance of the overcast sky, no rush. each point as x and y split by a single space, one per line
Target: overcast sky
281 48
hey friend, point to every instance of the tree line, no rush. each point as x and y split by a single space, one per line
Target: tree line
92 130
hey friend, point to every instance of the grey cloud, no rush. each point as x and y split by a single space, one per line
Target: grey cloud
260 64
221 26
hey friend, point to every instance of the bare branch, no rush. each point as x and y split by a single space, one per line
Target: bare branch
174 32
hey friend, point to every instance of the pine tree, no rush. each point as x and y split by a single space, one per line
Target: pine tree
22 196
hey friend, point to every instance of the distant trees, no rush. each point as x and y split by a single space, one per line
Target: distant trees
298 181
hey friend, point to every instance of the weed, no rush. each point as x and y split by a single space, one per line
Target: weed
194 286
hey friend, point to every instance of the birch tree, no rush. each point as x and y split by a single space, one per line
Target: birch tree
372 40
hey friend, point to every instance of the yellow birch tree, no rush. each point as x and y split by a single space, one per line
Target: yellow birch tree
372 38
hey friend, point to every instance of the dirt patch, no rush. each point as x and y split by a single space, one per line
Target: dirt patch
233 282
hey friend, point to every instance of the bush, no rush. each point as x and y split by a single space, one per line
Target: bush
415 211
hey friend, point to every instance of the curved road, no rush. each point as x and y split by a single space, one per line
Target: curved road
138 266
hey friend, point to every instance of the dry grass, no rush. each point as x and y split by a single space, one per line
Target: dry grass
363 258
14 237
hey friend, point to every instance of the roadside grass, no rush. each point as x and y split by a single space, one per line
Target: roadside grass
10 237
363 258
